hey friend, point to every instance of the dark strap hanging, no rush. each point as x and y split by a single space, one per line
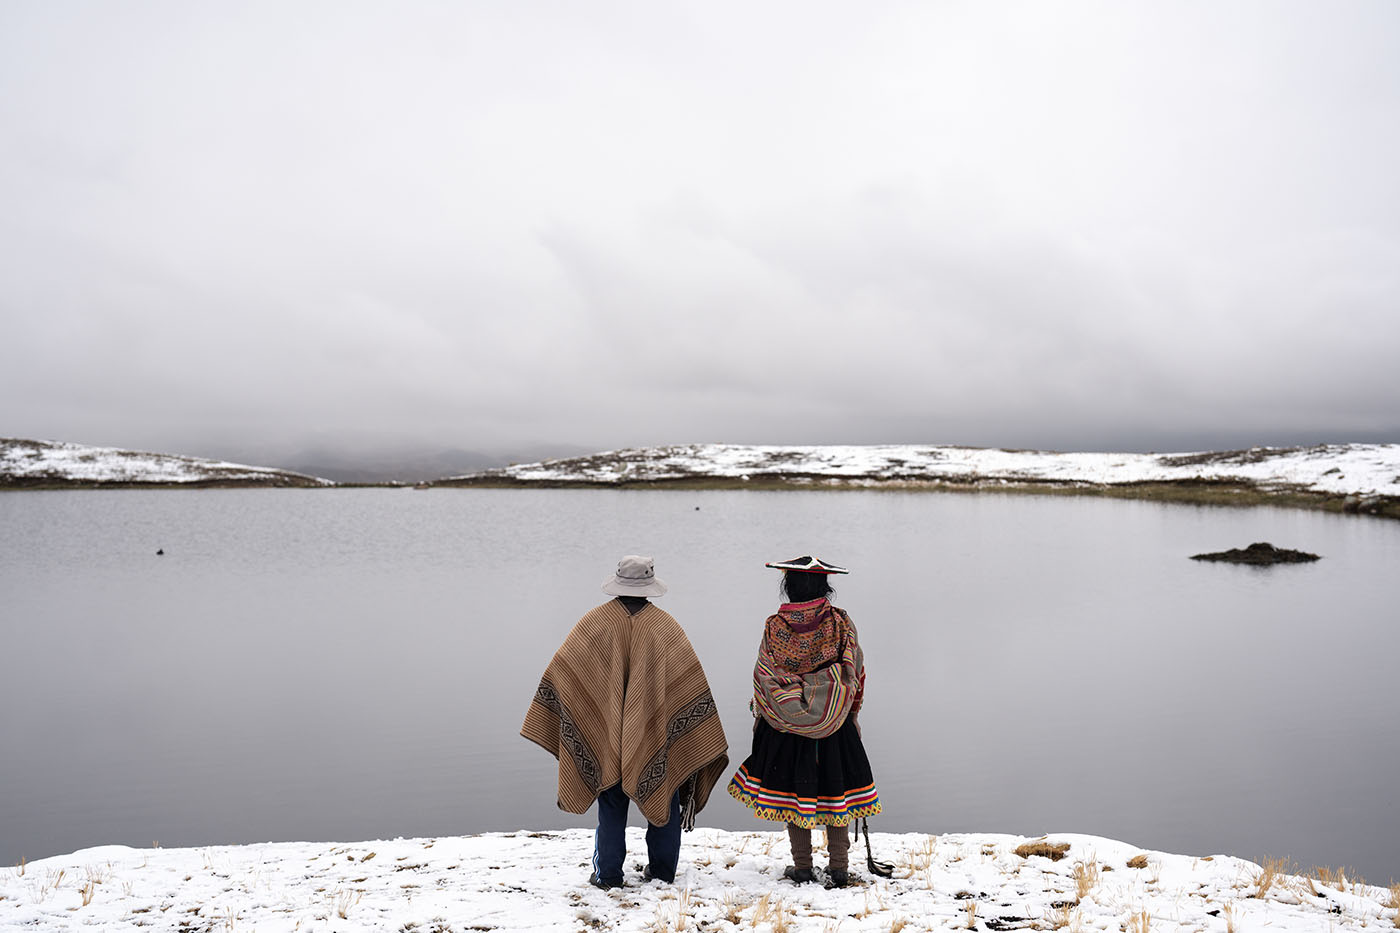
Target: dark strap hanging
883 869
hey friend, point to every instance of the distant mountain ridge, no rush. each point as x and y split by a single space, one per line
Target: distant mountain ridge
1340 477
1345 477
30 464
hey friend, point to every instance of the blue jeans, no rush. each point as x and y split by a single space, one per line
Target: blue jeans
610 846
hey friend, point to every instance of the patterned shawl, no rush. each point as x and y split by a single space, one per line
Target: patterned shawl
810 674
626 701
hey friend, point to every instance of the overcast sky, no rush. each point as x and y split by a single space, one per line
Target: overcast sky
1064 225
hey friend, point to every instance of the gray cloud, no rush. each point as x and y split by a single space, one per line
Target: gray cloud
1076 225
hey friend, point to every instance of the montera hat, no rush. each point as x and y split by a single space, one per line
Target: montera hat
806 564
636 576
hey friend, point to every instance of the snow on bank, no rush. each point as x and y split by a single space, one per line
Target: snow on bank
55 462
1339 469
728 881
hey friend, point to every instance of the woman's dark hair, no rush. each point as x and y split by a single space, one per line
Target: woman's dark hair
801 587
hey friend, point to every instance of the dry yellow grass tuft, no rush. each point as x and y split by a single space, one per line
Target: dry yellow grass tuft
769 909
1138 861
1231 921
782 919
1139 922
1054 851
1086 877
971 909
682 908
921 856
1338 878
897 924
1059 916
1394 904
1269 874
345 901
732 909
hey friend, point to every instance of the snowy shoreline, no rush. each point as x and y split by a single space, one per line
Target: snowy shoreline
536 881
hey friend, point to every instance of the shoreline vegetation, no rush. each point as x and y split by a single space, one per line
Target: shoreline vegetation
1189 492
728 882
1349 478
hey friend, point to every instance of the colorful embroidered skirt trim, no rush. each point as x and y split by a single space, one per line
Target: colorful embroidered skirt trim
803 811
809 782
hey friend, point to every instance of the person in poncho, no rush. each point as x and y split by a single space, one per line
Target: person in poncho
625 708
808 766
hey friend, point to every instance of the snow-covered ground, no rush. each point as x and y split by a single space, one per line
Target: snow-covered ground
23 462
1332 469
728 881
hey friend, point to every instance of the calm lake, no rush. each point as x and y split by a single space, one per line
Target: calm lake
344 665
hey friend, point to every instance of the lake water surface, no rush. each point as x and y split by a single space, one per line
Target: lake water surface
355 664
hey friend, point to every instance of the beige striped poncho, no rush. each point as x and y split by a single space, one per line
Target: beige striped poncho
626 701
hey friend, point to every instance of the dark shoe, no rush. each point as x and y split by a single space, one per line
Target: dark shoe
837 878
648 876
600 883
798 875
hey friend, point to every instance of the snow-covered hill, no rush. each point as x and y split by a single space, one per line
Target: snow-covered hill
728 882
31 464
1367 473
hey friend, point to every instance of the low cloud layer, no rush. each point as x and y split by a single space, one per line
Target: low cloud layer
1084 225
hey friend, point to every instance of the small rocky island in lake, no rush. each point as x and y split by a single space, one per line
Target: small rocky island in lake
1260 552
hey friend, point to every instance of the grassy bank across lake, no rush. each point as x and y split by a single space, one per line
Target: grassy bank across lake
1190 492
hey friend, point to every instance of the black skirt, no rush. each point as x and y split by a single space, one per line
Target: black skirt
808 782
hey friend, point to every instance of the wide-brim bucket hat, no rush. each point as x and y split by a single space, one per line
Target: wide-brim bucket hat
636 576
806 564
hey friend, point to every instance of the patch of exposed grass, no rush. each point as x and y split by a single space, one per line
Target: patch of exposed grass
1054 851
1138 861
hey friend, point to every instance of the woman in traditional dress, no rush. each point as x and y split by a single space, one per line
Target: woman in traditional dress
808 766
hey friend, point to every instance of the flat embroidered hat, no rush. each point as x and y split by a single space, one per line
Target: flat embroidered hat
806 564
